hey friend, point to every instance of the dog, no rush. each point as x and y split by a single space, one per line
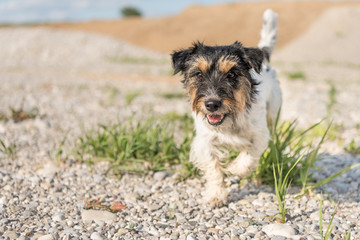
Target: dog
235 96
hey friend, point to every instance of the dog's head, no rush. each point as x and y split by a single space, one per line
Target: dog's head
218 79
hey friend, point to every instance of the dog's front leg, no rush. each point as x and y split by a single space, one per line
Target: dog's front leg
248 159
206 158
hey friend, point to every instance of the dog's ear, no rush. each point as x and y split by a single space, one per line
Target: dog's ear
254 57
179 59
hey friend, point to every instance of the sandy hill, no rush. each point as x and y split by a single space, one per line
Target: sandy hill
333 38
219 24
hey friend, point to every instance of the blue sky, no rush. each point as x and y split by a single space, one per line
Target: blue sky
22 11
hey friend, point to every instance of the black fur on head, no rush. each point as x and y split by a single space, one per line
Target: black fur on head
221 73
252 57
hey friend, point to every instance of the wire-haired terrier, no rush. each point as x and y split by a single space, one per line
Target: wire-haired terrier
235 96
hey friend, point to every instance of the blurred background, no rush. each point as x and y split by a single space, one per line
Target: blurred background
35 11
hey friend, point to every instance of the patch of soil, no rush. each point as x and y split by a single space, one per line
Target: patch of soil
219 24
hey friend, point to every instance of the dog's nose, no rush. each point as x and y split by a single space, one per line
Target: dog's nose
212 105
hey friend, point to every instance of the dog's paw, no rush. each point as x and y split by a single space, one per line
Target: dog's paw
217 203
238 170
216 198
242 166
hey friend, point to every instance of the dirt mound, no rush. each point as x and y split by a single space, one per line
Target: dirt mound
333 38
57 47
220 24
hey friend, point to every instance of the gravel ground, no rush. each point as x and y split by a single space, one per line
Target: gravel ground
43 199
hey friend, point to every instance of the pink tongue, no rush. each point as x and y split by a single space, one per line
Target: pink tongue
215 118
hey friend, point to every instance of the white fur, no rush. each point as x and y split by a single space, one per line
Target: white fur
248 134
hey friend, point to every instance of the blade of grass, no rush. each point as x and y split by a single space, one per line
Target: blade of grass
329 227
328 179
321 216
304 173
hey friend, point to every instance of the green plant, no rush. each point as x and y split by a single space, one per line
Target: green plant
9 151
60 150
315 185
282 184
348 236
130 12
113 92
296 75
332 134
147 145
21 115
332 98
130 97
138 60
172 211
353 148
329 227
172 95
286 146
3 117
311 158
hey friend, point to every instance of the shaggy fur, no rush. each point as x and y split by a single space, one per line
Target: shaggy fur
234 95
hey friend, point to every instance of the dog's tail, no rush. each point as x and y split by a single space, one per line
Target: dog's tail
268 32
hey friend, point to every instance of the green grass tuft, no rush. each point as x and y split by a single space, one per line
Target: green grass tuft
287 145
130 97
171 95
296 75
332 98
353 148
137 60
148 145
329 229
8 150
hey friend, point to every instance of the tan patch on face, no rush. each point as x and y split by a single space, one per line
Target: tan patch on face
225 65
242 95
202 64
196 103
229 104
192 92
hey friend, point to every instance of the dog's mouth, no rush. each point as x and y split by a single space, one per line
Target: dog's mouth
215 119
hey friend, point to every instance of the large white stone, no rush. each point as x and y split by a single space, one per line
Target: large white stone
278 229
96 215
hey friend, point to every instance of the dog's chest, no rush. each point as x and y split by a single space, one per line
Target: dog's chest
236 140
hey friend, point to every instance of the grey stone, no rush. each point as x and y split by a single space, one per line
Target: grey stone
26 214
278 229
10 234
154 207
190 237
96 236
58 217
49 169
258 203
22 238
95 215
315 216
160 175
46 237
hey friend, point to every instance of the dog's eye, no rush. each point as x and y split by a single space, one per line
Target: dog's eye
231 75
199 75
